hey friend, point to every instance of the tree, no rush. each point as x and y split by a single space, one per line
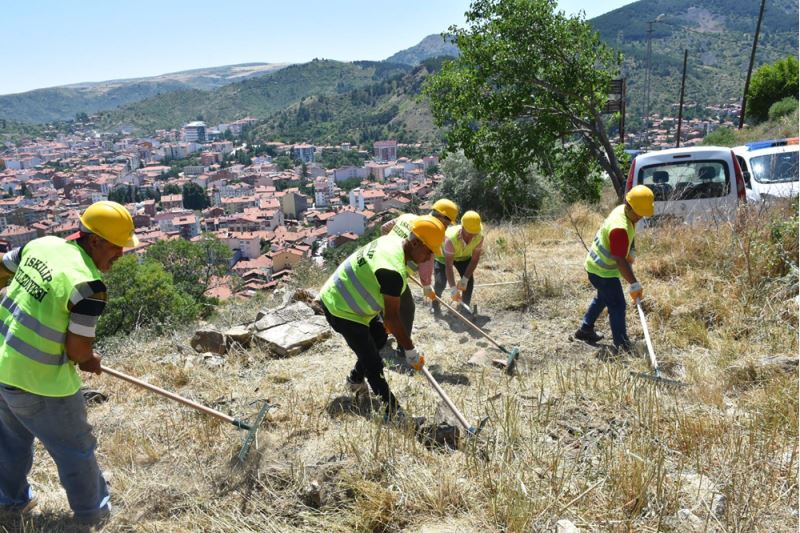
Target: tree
192 264
171 188
121 194
143 295
770 84
194 196
527 80
469 187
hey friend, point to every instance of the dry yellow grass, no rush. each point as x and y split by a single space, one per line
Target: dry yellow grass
570 436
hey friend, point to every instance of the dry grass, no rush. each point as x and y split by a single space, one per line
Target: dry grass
572 435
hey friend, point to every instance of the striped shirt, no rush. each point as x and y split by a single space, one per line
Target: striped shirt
86 303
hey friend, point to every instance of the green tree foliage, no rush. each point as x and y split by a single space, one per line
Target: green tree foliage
783 107
171 188
143 296
194 196
192 264
724 136
470 188
770 84
284 162
335 158
527 78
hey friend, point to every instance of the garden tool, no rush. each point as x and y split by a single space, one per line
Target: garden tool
497 284
199 407
512 354
656 375
472 431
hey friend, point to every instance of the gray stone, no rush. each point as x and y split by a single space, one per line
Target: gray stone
284 315
719 505
689 522
565 526
696 490
208 339
212 360
480 358
290 339
239 335
314 495
786 364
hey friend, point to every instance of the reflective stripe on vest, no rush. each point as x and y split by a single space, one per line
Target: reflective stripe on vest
34 316
352 292
461 252
599 260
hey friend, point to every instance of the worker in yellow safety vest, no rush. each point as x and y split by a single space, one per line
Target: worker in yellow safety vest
368 284
611 258
54 297
462 248
446 211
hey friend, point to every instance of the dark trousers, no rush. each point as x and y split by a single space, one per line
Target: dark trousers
407 309
440 279
366 342
609 295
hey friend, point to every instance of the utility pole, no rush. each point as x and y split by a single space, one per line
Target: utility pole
647 76
750 68
680 106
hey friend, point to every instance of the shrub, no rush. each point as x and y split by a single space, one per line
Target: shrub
784 107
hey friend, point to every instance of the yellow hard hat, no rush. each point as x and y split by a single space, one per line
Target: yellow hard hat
471 222
430 231
110 221
446 207
641 199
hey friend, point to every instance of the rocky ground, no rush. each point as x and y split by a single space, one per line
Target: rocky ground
572 439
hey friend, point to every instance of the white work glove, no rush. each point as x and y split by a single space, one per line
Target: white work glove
415 359
462 283
636 292
429 293
455 294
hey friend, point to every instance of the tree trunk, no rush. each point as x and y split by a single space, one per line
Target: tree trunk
607 157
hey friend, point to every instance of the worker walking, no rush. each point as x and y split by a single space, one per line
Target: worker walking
610 257
462 249
367 284
444 210
48 317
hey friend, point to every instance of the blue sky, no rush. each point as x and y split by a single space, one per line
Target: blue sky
48 43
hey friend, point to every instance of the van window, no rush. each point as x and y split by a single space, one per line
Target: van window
775 168
686 180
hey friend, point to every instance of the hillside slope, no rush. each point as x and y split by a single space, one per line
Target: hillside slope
388 109
431 46
571 436
257 97
64 102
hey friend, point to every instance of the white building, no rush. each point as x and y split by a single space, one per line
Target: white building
194 132
345 221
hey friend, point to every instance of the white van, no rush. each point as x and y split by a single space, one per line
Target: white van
770 169
697 183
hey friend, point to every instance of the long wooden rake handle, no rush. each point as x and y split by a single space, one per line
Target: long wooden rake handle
447 400
465 319
180 399
650 352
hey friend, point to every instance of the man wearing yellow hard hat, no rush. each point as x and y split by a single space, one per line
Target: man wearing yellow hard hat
55 294
444 210
611 257
369 284
462 249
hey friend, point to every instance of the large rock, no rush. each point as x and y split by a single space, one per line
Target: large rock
239 335
208 339
696 491
283 315
291 338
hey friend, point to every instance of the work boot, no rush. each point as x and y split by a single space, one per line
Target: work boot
356 387
436 309
626 348
588 335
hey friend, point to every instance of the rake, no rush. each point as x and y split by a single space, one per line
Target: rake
512 354
472 431
199 407
656 375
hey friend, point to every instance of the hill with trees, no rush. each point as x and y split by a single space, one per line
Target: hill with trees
256 97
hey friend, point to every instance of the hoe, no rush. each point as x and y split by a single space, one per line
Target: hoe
199 407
